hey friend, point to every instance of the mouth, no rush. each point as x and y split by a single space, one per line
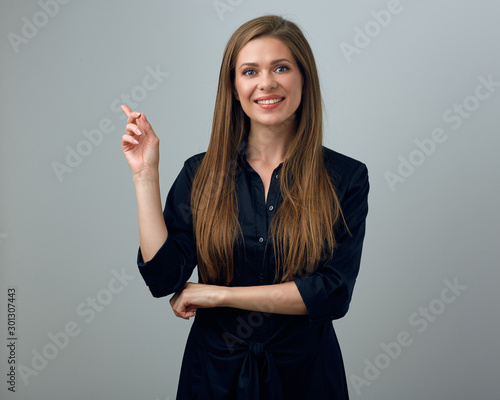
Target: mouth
270 101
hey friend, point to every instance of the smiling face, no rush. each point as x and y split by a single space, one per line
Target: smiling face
268 82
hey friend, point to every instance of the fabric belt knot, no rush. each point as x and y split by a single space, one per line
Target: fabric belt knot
258 375
257 349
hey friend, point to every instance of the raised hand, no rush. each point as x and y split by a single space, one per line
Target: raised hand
140 145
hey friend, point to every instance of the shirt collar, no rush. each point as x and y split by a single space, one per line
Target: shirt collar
242 156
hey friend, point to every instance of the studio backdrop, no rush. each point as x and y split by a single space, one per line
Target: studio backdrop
411 88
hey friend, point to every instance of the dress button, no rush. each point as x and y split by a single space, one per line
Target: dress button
261 239
271 208
261 277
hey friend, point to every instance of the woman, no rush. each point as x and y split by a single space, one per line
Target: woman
274 221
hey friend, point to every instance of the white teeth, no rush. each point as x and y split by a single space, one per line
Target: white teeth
273 101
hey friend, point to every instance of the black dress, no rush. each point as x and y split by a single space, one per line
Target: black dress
236 354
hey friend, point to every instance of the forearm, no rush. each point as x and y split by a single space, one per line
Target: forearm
282 298
152 228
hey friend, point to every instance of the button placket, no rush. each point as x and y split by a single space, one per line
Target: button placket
273 194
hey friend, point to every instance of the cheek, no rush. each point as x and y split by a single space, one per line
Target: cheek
241 92
295 89
297 86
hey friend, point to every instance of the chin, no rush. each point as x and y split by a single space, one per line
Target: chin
274 121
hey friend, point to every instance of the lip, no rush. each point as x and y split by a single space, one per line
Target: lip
269 97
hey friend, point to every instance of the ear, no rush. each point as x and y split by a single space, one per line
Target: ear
236 95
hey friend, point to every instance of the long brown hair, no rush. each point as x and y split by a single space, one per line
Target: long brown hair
302 231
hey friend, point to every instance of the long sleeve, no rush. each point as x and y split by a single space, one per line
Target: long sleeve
327 292
173 264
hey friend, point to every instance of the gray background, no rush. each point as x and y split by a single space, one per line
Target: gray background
63 239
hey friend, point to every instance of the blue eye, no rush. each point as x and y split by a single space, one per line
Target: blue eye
282 68
249 72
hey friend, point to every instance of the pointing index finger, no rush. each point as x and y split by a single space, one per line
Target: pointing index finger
128 112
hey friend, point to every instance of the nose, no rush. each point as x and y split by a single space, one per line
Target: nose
267 82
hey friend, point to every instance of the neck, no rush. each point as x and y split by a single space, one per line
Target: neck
270 143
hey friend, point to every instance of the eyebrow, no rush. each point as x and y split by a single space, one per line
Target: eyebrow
252 64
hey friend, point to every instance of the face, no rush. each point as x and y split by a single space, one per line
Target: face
268 83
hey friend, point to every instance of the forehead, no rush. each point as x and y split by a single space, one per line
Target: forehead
262 50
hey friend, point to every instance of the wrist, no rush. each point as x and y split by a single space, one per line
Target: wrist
148 176
224 297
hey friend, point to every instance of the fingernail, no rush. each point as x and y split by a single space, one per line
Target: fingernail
136 142
144 116
137 114
138 131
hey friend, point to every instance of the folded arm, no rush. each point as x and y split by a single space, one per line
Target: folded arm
282 298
